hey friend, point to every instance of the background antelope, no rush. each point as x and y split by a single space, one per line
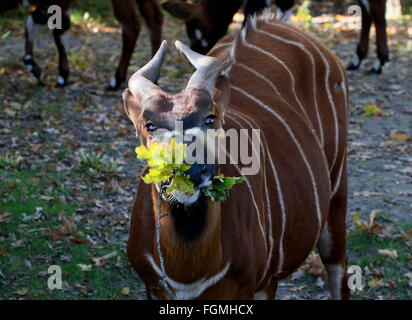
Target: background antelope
373 11
125 12
282 81
207 21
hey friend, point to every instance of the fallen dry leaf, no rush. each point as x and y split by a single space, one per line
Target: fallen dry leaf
21 292
376 283
407 235
68 227
4 253
389 253
299 288
85 267
100 260
78 240
126 291
4 217
399 136
315 265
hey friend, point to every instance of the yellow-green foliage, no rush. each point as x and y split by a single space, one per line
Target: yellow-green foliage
303 13
165 161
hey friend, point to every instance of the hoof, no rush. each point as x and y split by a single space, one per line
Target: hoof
375 71
36 71
110 88
114 84
61 82
377 67
352 66
32 67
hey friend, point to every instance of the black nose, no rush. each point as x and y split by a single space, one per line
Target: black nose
196 171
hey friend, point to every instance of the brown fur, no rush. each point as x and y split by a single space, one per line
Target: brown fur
376 16
232 233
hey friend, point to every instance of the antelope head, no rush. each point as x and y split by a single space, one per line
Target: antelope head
198 107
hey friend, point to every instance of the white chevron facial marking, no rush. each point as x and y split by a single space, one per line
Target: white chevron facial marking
193 290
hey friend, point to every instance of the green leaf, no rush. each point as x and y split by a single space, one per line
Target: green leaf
5 35
142 152
183 184
371 110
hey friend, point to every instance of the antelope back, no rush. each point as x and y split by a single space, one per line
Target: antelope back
289 86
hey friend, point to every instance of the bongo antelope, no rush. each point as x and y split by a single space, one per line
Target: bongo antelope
125 13
207 21
373 11
282 81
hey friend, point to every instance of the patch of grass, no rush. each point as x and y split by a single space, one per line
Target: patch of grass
95 164
179 72
40 228
10 161
383 276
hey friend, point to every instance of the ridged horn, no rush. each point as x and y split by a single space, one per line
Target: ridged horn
208 69
142 81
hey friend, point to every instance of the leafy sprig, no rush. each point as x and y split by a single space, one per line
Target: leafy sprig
165 161
218 190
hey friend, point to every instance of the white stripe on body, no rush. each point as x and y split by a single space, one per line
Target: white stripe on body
280 198
312 61
290 132
326 81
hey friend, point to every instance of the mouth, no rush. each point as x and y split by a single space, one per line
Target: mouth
188 200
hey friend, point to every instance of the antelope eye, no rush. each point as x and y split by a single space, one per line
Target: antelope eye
210 120
151 127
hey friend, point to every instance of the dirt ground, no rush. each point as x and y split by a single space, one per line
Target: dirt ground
38 122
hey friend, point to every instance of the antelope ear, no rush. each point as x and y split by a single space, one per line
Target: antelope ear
222 91
181 10
221 96
132 108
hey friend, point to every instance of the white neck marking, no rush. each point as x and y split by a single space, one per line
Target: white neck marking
185 291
